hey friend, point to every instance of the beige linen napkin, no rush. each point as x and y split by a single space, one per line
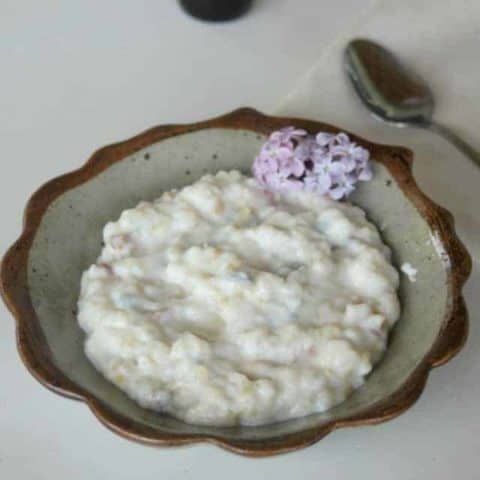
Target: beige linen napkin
440 40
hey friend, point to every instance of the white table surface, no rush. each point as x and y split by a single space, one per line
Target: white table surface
76 75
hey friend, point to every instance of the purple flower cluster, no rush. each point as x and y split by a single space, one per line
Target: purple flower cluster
327 164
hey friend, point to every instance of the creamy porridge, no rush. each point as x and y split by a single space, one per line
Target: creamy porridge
222 304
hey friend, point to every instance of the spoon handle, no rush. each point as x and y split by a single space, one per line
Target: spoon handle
452 137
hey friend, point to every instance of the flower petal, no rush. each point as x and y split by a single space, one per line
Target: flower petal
337 169
365 173
337 193
342 139
323 138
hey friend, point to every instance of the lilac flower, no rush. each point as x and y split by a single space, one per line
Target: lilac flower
324 139
327 164
287 135
343 184
284 184
269 158
276 167
364 172
321 178
305 150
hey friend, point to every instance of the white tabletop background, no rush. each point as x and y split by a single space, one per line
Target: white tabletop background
77 74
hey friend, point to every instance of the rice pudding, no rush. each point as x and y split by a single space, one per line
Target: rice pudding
224 304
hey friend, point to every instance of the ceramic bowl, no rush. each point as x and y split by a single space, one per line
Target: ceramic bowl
41 272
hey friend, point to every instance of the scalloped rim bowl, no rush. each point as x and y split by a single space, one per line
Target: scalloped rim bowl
61 237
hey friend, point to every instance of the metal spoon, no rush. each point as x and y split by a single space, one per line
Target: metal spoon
393 93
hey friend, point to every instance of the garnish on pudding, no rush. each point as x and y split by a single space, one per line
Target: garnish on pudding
324 163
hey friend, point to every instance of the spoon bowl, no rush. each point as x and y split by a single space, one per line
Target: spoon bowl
386 86
393 93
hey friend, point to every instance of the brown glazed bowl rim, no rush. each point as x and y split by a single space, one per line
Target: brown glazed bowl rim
36 354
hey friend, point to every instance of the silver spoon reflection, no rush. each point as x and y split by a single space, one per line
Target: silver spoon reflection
393 93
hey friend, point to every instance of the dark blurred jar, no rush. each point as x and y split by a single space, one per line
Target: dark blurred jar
216 10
